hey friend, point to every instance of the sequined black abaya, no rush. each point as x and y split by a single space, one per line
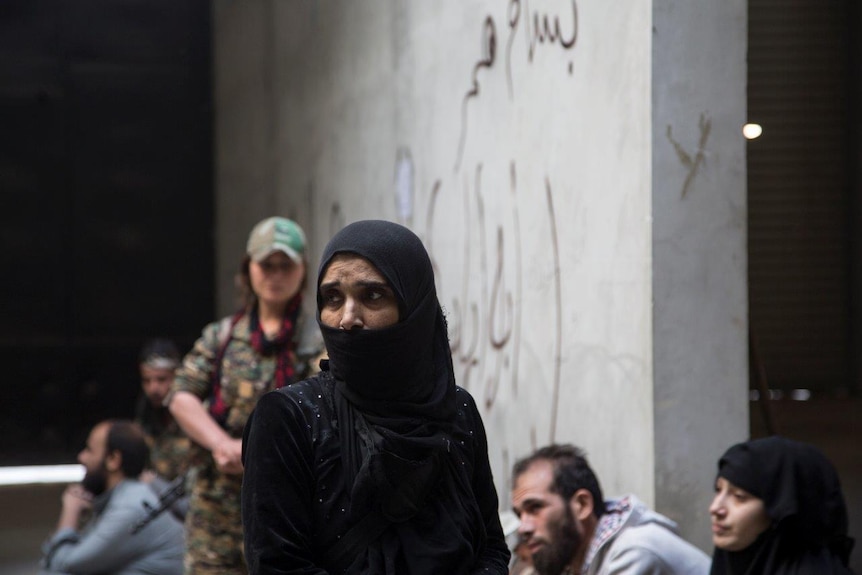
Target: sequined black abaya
322 455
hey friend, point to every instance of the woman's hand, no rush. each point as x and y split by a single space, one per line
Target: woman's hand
227 455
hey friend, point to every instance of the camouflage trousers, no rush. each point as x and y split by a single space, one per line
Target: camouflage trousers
213 526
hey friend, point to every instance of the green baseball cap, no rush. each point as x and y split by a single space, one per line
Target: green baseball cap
276 235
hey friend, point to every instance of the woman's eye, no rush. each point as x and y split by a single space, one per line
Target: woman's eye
374 295
331 298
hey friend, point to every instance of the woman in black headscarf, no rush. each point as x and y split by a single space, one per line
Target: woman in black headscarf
778 509
380 463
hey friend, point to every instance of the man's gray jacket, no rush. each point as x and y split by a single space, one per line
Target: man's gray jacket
106 545
631 539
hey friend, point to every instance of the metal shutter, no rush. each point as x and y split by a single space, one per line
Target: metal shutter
798 201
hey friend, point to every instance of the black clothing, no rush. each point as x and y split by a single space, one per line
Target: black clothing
154 420
296 505
802 496
404 441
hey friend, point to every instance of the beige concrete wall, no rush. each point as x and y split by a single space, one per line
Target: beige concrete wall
524 156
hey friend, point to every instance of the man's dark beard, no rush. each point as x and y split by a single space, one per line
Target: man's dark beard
556 555
96 481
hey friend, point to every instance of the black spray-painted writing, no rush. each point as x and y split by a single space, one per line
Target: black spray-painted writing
539 27
485 321
489 53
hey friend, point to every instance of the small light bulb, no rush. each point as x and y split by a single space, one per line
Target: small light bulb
751 131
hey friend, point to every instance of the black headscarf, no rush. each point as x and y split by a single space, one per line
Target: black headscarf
802 496
395 398
403 371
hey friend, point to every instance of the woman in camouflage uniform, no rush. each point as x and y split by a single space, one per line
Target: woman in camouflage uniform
235 362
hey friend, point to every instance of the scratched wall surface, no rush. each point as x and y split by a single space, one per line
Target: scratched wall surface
516 139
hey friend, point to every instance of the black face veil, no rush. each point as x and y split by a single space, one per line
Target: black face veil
404 370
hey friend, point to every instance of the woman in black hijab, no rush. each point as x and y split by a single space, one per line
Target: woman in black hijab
778 509
379 464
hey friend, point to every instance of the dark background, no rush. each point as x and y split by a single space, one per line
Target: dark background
106 216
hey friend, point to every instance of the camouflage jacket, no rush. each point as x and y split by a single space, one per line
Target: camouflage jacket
245 374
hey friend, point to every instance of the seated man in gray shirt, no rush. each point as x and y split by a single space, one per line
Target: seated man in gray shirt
568 527
120 538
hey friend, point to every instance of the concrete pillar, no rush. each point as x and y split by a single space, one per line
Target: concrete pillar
700 316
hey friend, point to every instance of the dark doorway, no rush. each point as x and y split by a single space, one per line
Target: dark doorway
804 242
107 207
